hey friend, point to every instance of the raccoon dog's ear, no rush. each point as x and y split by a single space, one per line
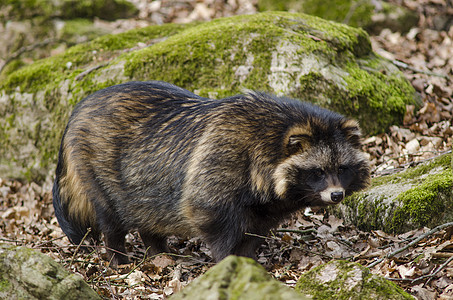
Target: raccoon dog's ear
297 143
352 132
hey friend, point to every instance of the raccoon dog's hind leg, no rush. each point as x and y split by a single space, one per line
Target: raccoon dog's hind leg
114 233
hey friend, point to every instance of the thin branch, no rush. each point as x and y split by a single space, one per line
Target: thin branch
107 282
441 267
29 48
88 71
402 167
429 276
414 242
406 66
302 232
78 246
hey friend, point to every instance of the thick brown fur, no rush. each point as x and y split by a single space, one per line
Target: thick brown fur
154 157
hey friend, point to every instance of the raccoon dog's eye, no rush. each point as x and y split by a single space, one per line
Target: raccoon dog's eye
318 173
342 169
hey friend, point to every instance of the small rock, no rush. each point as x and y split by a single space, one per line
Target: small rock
347 280
29 274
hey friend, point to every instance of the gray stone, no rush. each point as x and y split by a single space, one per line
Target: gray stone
29 274
414 198
347 280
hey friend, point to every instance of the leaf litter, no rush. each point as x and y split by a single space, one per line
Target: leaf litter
424 269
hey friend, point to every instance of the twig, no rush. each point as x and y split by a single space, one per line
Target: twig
17 242
429 276
402 167
40 245
406 66
88 71
78 246
107 282
29 48
302 232
414 242
441 267
134 268
288 244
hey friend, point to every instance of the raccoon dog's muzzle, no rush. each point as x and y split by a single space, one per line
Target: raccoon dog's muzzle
332 195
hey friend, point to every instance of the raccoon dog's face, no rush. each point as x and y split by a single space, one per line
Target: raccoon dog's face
323 163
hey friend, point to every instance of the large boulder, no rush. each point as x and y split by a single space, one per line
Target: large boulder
347 280
29 274
290 54
414 198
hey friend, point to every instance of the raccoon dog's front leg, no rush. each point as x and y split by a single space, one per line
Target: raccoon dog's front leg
225 231
114 236
114 241
154 244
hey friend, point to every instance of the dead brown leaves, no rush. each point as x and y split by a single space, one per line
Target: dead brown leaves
424 54
427 61
304 243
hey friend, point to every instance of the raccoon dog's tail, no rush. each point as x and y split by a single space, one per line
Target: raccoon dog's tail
75 232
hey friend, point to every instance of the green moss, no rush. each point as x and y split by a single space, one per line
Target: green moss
425 203
48 73
333 281
237 278
411 199
5 285
258 35
48 76
443 161
205 59
380 286
372 87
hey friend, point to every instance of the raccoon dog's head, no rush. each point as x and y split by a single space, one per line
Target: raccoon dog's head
322 161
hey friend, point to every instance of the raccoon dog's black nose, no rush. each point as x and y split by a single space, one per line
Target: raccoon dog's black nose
336 196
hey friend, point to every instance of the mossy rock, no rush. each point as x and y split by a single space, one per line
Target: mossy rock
417 197
29 274
297 55
347 280
237 278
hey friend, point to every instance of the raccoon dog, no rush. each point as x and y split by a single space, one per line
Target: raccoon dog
153 157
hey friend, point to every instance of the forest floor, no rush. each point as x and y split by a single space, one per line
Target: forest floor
425 269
